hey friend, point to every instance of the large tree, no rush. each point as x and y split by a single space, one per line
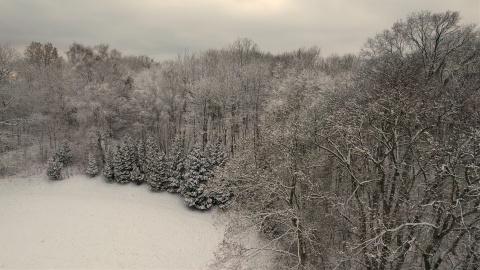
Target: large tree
42 55
8 57
402 148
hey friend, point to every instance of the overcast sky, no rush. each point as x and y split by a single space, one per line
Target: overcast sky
162 28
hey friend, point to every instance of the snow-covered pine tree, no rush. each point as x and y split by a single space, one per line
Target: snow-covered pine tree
124 159
155 166
54 169
216 154
176 166
162 172
64 154
141 153
120 168
136 176
220 190
151 163
108 170
92 167
199 171
129 150
219 157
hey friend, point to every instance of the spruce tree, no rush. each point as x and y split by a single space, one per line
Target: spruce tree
62 157
216 154
108 170
130 153
136 176
64 154
176 167
198 173
120 167
124 159
54 169
220 190
141 154
162 172
152 160
92 168
219 157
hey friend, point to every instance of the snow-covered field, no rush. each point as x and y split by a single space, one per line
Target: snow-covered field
87 223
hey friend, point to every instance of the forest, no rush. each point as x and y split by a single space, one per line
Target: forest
356 161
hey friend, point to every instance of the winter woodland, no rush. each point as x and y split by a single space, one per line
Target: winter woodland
357 161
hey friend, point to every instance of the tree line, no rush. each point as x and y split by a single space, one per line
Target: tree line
367 161
190 175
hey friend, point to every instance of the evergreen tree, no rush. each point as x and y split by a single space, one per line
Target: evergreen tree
176 167
121 169
62 157
162 172
92 168
153 167
54 169
141 155
124 159
220 190
198 173
64 154
136 176
218 157
150 160
129 151
108 170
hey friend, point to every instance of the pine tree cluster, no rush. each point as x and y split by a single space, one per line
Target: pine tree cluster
63 157
177 172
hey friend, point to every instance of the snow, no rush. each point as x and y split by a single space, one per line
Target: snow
86 223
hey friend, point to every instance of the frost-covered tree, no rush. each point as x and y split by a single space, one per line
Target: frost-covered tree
216 155
156 170
141 155
198 172
92 168
151 163
176 167
217 188
8 57
108 169
122 167
124 160
62 157
41 55
220 191
129 149
54 169
64 153
136 176
162 180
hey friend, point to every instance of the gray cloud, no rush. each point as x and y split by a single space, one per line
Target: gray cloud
161 29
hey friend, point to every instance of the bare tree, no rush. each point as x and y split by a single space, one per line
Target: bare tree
8 57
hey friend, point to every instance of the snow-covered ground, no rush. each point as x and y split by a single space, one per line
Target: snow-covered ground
86 223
